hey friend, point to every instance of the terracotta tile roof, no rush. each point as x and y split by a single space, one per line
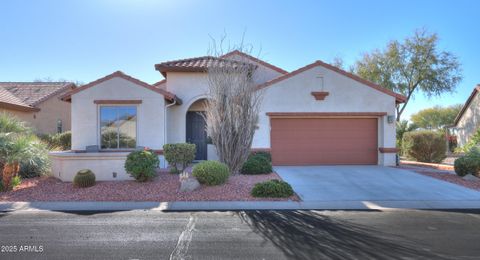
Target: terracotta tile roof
168 96
161 84
9 101
247 56
197 64
33 93
25 96
476 89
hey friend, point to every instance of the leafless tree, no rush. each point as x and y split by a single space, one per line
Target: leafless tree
232 106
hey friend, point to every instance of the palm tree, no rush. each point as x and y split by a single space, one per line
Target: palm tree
17 145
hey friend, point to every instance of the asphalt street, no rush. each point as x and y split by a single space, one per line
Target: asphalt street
405 234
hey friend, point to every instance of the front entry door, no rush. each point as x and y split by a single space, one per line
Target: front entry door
196 134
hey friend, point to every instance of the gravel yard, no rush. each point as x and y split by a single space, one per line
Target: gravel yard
446 176
165 187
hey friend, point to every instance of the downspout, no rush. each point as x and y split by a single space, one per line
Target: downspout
165 126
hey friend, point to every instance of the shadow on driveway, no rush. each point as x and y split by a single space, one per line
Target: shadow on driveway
296 233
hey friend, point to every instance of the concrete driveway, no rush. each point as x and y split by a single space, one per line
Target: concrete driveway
369 183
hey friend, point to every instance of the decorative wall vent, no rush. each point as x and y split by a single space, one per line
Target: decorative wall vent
320 95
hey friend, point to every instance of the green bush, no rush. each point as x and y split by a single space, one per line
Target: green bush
462 166
61 141
468 164
16 180
37 165
257 164
141 165
84 178
211 172
179 154
19 146
473 142
272 189
424 146
265 155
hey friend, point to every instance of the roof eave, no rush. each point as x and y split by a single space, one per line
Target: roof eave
65 88
398 97
467 103
67 97
18 107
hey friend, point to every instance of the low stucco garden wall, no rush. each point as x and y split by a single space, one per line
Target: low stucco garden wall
105 165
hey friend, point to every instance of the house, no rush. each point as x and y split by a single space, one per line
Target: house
467 121
316 115
38 104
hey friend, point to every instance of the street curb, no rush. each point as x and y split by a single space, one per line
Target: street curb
236 205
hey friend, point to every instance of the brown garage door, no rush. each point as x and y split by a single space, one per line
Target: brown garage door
329 141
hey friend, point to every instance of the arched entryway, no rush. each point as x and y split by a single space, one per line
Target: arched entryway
196 128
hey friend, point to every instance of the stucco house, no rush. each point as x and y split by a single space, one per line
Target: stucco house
38 104
315 115
467 121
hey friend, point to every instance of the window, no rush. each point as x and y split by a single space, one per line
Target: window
59 126
118 127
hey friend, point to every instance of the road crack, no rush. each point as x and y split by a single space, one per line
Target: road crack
181 250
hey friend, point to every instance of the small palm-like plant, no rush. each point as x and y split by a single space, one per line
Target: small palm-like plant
15 149
17 145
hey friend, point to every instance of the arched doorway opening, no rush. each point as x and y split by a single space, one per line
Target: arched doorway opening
196 132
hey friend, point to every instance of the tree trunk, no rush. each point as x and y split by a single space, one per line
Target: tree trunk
10 170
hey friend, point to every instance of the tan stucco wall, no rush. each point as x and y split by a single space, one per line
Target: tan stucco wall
85 114
345 95
191 87
292 95
469 122
45 120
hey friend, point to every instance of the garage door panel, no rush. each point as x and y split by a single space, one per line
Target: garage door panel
314 141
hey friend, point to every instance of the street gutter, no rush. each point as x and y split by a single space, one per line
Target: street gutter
237 205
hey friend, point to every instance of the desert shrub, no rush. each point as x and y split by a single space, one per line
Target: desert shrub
469 163
60 141
65 140
84 178
211 172
473 142
37 165
462 166
11 124
16 180
272 189
265 155
181 154
141 165
18 146
424 146
257 164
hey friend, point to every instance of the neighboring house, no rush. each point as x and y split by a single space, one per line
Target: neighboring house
316 115
38 104
467 121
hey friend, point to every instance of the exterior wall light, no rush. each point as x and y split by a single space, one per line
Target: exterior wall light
390 119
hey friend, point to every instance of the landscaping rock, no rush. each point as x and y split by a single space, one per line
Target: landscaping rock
189 185
470 177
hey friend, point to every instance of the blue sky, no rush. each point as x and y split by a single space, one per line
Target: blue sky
85 40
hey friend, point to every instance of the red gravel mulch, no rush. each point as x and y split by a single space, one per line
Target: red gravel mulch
165 187
445 176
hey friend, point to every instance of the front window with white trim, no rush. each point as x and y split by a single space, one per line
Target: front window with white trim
118 127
